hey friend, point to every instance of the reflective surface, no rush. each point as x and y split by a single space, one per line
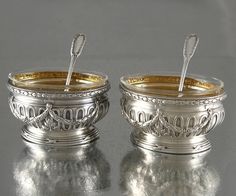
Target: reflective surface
124 37
148 173
61 171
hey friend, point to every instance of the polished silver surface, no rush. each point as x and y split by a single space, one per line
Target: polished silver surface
59 119
172 124
124 37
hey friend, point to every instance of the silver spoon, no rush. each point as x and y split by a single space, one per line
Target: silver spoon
189 49
75 51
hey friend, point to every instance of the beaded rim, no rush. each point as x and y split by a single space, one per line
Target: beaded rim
58 94
164 100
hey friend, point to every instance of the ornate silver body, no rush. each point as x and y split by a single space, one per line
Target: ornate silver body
171 125
59 118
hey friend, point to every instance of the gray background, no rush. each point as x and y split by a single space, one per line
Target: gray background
126 36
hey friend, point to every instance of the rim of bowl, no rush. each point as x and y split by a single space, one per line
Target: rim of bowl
55 81
198 86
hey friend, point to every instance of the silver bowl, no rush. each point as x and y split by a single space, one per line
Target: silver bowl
55 114
167 121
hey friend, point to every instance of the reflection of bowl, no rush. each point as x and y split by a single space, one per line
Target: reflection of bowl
167 121
147 173
56 114
66 171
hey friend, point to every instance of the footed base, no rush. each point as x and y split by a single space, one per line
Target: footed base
170 145
59 138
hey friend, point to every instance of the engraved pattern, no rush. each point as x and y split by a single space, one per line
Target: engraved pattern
181 124
63 118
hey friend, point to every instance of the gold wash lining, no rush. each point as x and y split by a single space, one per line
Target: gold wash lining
168 86
55 80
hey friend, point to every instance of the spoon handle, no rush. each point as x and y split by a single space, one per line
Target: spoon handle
77 46
183 74
189 49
